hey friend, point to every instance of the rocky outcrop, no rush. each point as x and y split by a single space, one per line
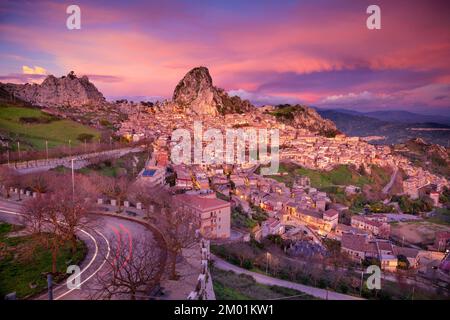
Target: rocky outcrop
304 117
67 91
196 94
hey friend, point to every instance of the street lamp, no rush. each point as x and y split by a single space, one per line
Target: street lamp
7 150
18 148
361 287
267 262
73 182
46 148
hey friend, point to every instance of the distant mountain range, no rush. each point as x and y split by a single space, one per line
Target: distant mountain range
398 116
394 126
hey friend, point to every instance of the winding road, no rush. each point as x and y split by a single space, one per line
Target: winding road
263 279
98 240
391 182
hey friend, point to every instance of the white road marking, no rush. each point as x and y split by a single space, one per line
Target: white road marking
90 262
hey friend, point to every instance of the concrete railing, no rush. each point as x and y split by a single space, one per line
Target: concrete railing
52 162
200 292
127 204
203 289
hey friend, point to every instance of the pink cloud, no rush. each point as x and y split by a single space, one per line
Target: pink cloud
146 49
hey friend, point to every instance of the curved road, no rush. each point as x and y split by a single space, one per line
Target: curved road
98 241
263 279
391 181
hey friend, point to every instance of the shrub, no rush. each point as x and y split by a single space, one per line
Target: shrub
403 262
275 238
85 137
247 264
105 123
343 288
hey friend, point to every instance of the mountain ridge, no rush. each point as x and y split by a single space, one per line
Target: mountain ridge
393 132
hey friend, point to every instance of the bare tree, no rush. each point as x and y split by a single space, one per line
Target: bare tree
131 271
178 225
41 215
147 196
116 188
34 214
175 221
56 217
39 182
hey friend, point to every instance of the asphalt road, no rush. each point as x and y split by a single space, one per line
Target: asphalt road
80 161
98 239
391 181
263 279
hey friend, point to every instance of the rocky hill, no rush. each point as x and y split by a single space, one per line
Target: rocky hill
196 94
68 97
304 117
67 91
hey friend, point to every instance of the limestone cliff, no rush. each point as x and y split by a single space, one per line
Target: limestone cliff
196 94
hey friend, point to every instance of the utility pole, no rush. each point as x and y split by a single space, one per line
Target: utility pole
46 149
18 148
73 182
267 262
361 287
50 286
7 150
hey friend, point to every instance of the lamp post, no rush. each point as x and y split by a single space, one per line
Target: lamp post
50 286
7 151
46 149
267 262
18 148
73 181
361 287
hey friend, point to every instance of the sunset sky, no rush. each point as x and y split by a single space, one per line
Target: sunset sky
315 52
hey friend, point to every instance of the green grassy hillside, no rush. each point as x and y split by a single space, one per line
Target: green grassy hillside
32 128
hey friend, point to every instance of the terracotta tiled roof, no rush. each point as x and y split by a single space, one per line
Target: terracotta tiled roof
311 213
330 213
202 203
354 242
385 245
407 252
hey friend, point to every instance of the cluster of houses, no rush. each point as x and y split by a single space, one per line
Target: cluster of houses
296 144
360 247
366 236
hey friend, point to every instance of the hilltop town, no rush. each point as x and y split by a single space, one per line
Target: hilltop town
331 191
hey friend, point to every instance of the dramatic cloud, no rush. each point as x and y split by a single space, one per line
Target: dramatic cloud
306 51
104 78
22 78
35 70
